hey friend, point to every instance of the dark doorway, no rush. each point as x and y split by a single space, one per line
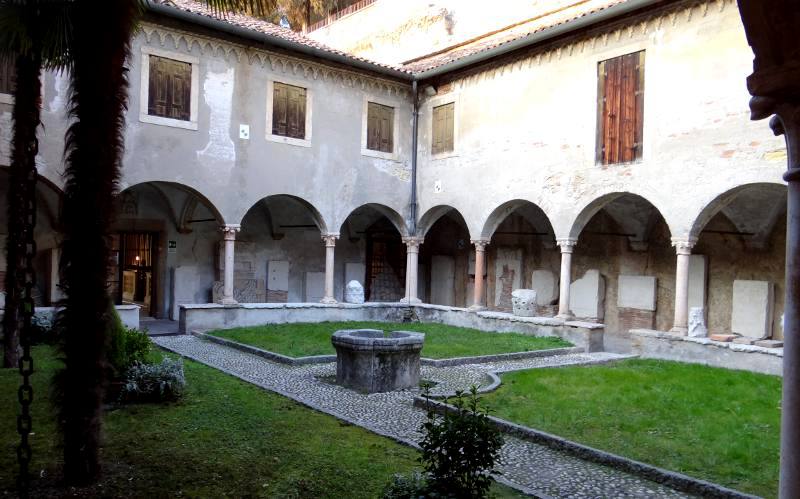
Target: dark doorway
386 263
134 260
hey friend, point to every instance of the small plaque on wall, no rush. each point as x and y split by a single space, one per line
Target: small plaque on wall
172 246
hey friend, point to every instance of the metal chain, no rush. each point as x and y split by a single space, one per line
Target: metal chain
25 392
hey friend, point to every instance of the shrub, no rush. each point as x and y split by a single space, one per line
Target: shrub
155 382
411 486
42 328
127 347
460 449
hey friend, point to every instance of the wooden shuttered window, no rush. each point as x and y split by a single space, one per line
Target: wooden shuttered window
620 109
7 75
380 127
288 111
170 88
443 128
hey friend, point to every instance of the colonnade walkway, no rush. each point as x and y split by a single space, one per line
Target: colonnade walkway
527 466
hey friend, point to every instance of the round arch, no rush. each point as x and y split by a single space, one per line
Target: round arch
724 199
433 215
499 214
395 218
316 216
597 204
156 186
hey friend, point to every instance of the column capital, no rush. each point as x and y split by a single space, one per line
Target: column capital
330 239
229 231
413 242
480 244
567 244
684 245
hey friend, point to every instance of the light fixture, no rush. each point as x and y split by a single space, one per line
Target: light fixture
430 90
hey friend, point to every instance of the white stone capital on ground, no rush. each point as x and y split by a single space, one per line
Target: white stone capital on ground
567 245
330 247
480 271
683 249
229 234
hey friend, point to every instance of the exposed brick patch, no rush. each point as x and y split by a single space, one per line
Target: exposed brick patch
277 296
633 318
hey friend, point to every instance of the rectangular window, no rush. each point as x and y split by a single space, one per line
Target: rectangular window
380 124
288 111
7 75
170 88
443 127
620 109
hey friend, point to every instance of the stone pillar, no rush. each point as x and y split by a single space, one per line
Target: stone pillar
330 247
229 233
683 247
566 245
480 270
412 269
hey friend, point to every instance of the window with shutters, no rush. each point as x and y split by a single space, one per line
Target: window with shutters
288 111
443 129
380 127
170 88
7 77
620 109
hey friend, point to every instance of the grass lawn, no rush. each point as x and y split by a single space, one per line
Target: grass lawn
710 423
226 438
441 341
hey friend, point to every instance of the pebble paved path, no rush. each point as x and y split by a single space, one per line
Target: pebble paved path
530 467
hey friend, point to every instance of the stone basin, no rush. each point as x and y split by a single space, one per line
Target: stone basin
372 361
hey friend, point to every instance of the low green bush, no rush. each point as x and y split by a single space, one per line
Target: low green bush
127 347
411 486
155 382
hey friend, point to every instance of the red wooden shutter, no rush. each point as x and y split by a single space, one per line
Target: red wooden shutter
620 99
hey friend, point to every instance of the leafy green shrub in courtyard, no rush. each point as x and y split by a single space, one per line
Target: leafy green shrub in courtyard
128 346
42 329
155 382
411 486
460 449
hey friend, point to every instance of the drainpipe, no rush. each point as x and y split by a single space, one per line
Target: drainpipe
414 132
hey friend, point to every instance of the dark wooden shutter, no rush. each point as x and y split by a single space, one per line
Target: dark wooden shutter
620 109
280 109
7 75
380 127
170 88
386 123
443 128
289 111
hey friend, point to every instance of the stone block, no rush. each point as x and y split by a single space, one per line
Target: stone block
637 292
443 275
634 318
587 296
722 337
507 275
743 340
697 322
244 291
354 271
769 343
523 302
752 308
314 286
278 275
545 283
354 292
698 270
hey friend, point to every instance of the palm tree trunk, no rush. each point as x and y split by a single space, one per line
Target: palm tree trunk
21 193
94 148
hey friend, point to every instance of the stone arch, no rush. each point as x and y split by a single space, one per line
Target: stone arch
395 218
723 200
178 217
499 214
433 215
316 215
594 206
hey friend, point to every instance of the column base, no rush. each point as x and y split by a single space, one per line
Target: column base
410 301
565 317
476 307
329 301
228 302
681 331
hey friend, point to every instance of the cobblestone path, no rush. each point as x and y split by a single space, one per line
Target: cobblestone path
530 467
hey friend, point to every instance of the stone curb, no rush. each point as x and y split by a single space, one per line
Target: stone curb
404 441
323 359
675 480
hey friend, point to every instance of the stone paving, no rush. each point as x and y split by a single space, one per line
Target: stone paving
530 467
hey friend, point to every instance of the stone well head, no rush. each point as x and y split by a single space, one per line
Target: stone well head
373 361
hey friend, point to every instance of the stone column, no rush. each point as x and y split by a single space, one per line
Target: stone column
480 270
412 266
566 245
330 247
229 233
683 247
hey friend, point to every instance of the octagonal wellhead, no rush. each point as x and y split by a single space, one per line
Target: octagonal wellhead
373 361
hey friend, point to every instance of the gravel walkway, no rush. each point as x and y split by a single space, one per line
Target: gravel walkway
525 465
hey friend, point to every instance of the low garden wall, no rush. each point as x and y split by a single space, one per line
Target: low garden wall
660 345
128 314
210 316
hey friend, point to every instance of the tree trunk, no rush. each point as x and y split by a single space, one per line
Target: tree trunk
21 193
94 148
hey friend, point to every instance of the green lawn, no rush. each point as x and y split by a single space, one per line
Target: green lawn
226 438
710 423
441 341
